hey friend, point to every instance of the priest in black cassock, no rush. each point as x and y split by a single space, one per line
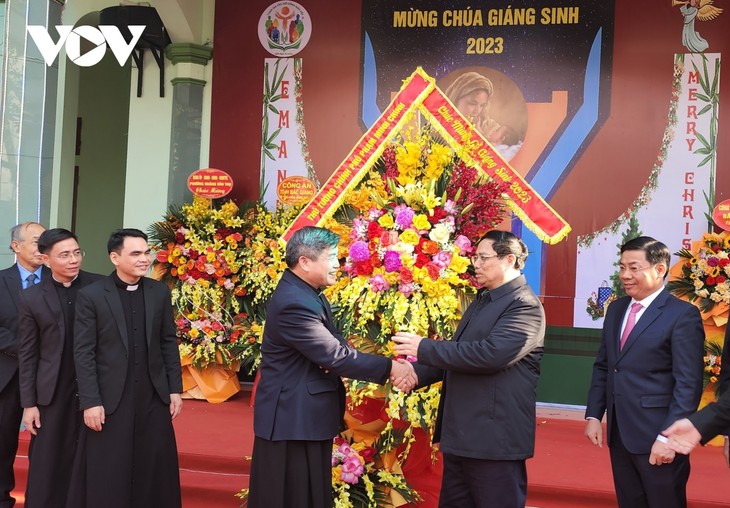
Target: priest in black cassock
46 368
130 380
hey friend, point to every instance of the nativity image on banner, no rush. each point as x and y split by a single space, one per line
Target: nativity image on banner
534 81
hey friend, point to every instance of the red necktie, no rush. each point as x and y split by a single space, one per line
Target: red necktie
630 322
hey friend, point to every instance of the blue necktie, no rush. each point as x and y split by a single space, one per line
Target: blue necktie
31 280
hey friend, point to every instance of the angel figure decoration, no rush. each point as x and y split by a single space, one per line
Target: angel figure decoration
691 10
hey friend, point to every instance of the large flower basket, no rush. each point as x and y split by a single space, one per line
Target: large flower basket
216 382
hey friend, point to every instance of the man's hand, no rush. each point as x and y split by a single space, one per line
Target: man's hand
94 418
683 436
661 454
594 432
403 375
407 343
175 405
32 419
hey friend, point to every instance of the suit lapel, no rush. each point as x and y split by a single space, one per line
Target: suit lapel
12 280
149 309
618 319
647 318
115 305
51 299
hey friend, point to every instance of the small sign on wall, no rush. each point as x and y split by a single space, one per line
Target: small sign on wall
721 215
210 183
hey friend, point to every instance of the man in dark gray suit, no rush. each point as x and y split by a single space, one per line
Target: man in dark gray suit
647 374
48 389
490 369
300 399
27 271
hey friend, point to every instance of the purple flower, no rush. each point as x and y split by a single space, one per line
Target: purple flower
713 261
359 251
449 206
379 284
463 244
392 261
403 216
442 259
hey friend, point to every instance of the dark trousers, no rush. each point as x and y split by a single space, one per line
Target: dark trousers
479 483
11 414
289 474
639 484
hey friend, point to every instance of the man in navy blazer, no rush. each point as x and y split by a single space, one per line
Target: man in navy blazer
300 399
27 271
647 374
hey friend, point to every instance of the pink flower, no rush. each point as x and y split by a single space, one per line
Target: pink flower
463 244
344 449
442 259
392 261
359 251
406 289
351 469
379 284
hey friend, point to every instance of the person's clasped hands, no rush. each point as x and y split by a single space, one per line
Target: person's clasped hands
403 375
407 348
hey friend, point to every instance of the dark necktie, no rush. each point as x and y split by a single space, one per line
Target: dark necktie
31 280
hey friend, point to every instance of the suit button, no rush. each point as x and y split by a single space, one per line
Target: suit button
615 370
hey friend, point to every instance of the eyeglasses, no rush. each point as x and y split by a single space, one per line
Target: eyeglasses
633 270
65 256
482 258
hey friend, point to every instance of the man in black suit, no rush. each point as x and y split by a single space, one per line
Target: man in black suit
490 369
130 380
300 399
702 426
27 271
712 420
647 374
46 368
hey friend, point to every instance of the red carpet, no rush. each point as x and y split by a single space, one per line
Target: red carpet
567 471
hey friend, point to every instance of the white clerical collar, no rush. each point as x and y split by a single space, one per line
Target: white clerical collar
65 284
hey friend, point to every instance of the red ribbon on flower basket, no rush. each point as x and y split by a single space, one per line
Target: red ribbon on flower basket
419 92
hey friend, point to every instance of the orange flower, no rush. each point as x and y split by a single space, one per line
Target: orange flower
429 247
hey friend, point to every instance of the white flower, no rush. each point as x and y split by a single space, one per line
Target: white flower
440 233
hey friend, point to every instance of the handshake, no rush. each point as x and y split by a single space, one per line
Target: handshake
402 374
